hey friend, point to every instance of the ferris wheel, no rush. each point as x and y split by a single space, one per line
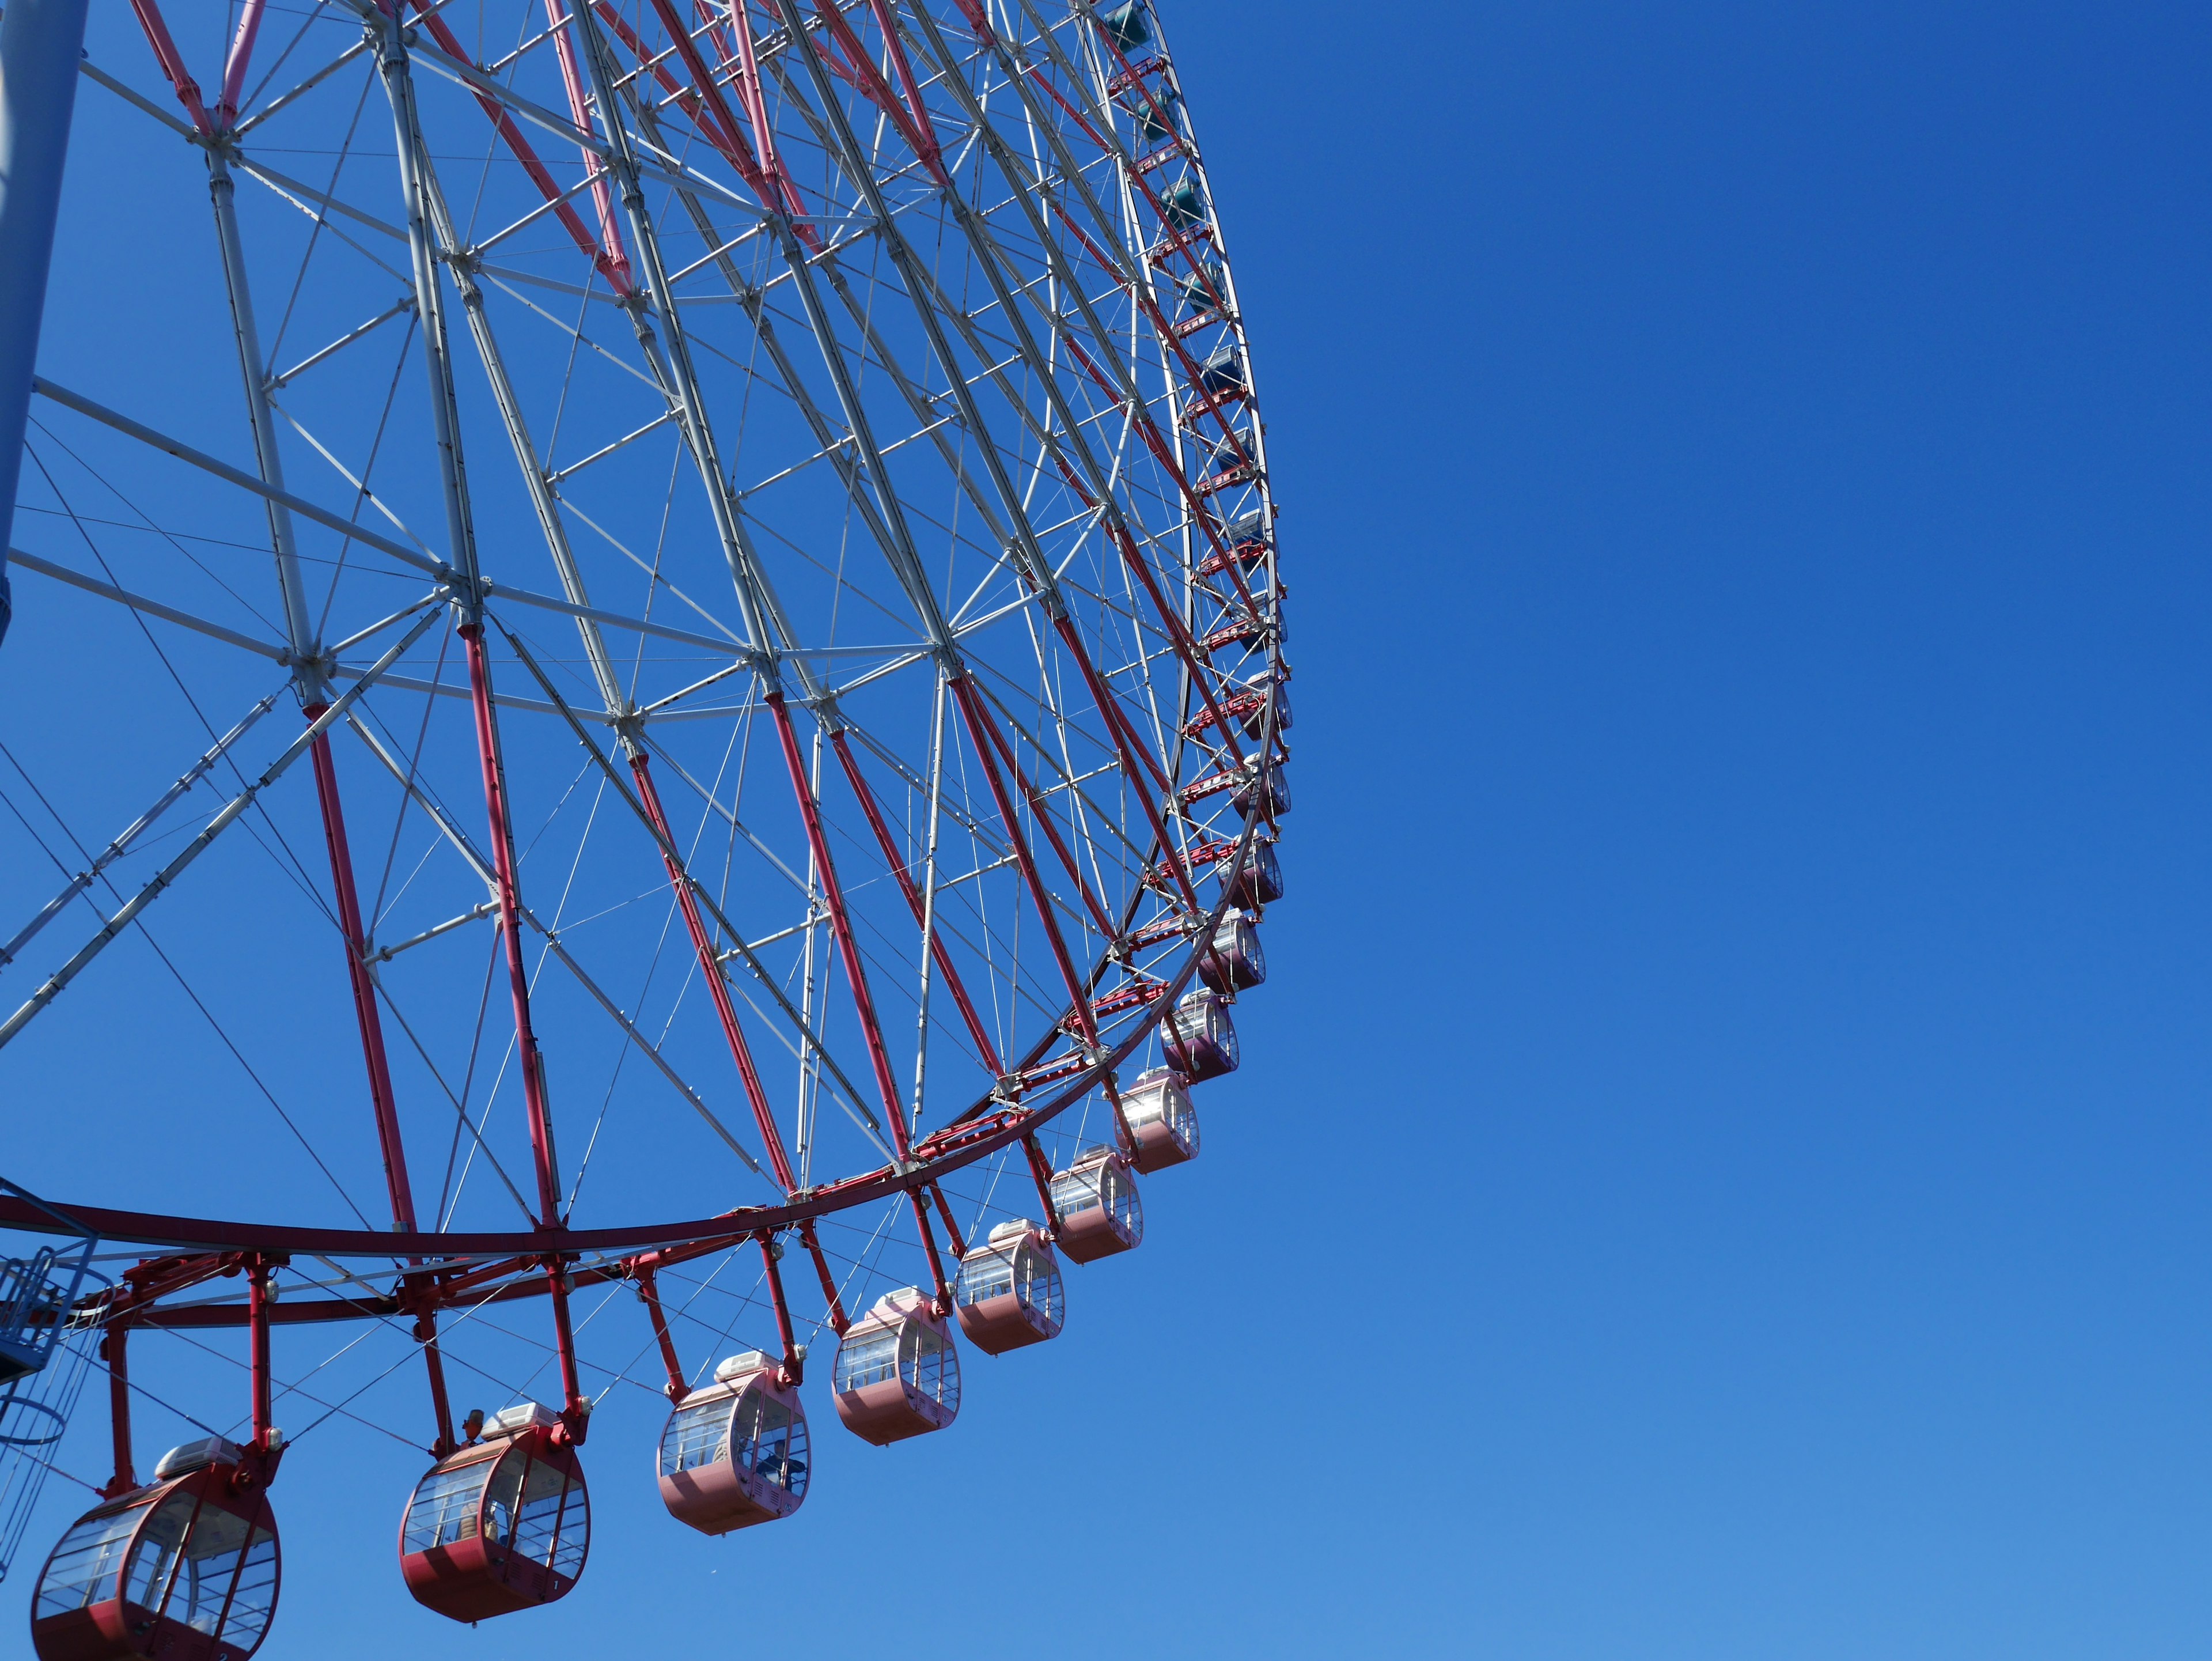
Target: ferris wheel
711 737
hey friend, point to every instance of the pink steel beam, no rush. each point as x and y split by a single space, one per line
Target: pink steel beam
257 1302
426 1334
938 948
234 66
755 97
710 966
841 923
931 151
616 273
702 99
912 120
714 122
579 112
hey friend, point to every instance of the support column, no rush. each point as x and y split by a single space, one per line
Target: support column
40 44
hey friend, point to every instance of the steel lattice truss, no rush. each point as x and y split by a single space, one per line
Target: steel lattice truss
770 538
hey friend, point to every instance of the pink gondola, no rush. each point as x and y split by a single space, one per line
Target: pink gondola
735 1451
1197 1035
1099 1211
1158 1110
1008 1292
1234 961
1257 878
897 1374
1264 787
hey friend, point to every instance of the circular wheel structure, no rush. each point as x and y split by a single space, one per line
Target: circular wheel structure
708 697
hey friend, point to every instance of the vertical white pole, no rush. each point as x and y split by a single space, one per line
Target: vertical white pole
41 42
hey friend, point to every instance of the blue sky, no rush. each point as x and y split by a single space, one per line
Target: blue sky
1718 1168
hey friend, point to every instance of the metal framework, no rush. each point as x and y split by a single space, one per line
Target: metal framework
771 540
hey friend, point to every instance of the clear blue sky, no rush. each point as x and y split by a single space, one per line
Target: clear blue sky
1719 1171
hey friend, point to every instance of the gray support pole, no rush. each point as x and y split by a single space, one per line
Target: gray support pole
40 44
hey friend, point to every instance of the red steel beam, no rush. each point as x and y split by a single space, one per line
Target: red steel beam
1051 829
841 924
366 1015
981 734
617 274
939 950
710 965
172 62
649 1291
574 1406
111 1351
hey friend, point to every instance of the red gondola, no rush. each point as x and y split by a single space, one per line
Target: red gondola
1235 961
502 1524
1257 878
184 1569
1196 1034
735 1452
1264 787
897 1374
1273 690
1160 1118
1099 1211
1008 1292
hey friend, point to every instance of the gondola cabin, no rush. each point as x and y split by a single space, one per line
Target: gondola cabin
1197 1036
1183 204
1206 289
897 1374
735 1452
1221 373
1233 961
1270 690
503 1524
1162 1120
1008 1292
1257 878
184 1569
1264 788
1156 120
1099 1211
1125 25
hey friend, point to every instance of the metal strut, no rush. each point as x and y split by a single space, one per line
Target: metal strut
648 1292
445 415
113 1341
